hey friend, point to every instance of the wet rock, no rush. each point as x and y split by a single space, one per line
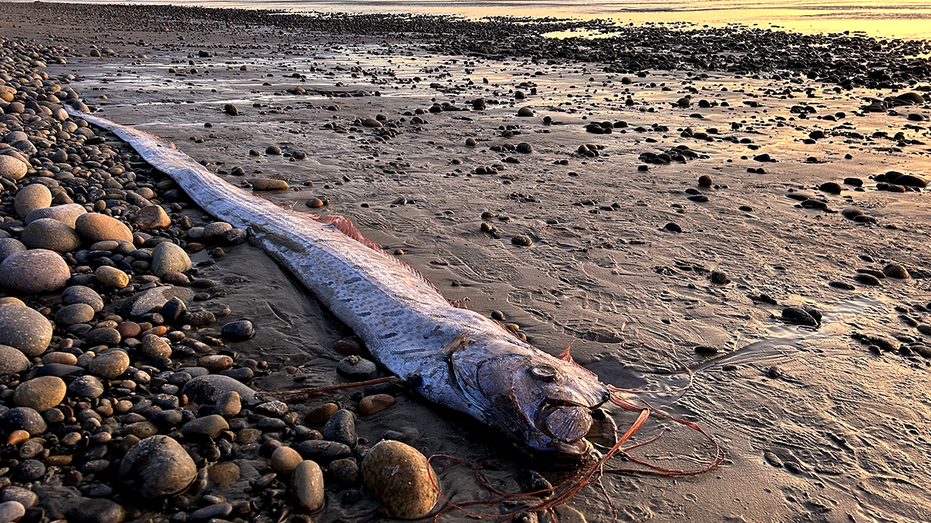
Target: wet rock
95 227
66 214
210 388
86 387
34 271
320 414
238 330
73 314
24 329
111 277
12 361
157 466
345 472
80 294
229 404
401 479
799 316
285 459
307 486
269 184
46 233
341 427
209 426
95 510
375 403
523 240
151 217
109 364
32 197
12 168
41 393
357 368
323 451
168 257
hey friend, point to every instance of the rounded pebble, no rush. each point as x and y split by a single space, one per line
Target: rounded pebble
34 271
96 227
41 393
157 466
12 361
111 277
12 168
24 329
285 459
168 257
401 479
74 314
109 364
32 197
307 486
46 233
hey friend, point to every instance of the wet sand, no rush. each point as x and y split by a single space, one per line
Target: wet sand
635 264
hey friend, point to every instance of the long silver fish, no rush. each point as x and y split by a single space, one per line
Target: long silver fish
452 356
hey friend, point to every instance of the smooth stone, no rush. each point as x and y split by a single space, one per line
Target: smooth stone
341 427
109 364
23 418
323 451
81 294
111 277
151 217
168 257
375 403
95 510
173 309
24 329
46 233
23 495
209 426
30 198
214 231
269 184
307 486
401 479
67 214
86 387
215 511
238 330
228 405
154 300
320 414
73 314
345 471
12 361
9 246
210 388
894 270
103 336
41 393
96 227
216 362
157 466
34 271
12 168
357 368
154 347
285 459
11 511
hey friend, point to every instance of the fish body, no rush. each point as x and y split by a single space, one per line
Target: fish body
452 356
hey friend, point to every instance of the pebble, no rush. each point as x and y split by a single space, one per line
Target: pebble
154 347
345 472
168 257
157 466
11 510
81 294
41 393
9 246
228 405
216 362
799 316
86 387
151 217
32 197
103 336
269 184
894 270
307 486
522 239
95 510
525 112
323 451
210 388
341 428
12 168
217 510
46 233
401 479
320 414
285 459
356 368
156 299
34 271
238 330
73 314
109 364
23 418
12 361
24 329
66 214
209 426
95 227
375 403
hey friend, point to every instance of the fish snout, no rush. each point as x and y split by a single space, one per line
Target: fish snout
568 423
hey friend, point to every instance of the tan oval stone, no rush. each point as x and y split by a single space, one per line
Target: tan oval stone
111 277
307 486
376 403
12 167
401 479
285 459
216 362
151 217
109 364
269 184
32 197
40 393
96 227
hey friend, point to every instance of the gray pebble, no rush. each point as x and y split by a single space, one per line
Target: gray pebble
24 329
109 364
46 233
323 451
23 418
209 426
168 257
238 330
9 246
73 314
34 271
95 510
210 388
357 368
157 466
307 486
12 361
86 387
341 427
81 294
32 197
66 214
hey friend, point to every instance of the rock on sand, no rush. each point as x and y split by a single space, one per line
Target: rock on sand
158 466
400 478
34 271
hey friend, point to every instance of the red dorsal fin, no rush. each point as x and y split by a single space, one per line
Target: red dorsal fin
345 226
566 355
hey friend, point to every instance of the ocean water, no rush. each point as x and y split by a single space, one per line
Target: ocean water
908 19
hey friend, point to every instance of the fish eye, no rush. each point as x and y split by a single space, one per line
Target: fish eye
543 372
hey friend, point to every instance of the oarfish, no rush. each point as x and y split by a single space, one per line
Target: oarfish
451 356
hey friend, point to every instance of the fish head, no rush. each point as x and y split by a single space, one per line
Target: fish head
542 402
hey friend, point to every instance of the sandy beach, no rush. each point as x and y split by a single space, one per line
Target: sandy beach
746 204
